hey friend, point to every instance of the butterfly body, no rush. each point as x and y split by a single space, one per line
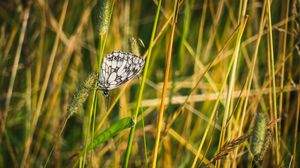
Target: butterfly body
118 68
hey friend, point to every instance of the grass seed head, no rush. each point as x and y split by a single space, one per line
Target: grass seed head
260 135
82 94
259 157
104 10
135 45
229 146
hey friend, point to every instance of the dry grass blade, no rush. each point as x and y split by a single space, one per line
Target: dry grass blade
14 68
167 71
44 87
206 76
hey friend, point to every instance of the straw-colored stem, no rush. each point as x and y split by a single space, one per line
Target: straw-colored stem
44 87
163 97
232 80
213 113
283 58
274 100
248 86
14 68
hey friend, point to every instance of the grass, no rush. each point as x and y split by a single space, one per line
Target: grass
213 69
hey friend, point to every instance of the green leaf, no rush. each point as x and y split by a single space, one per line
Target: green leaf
112 131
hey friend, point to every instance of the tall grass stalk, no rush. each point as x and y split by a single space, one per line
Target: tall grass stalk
162 104
47 58
44 87
214 110
296 132
251 73
14 70
138 104
232 79
105 8
283 56
16 60
113 103
274 99
135 49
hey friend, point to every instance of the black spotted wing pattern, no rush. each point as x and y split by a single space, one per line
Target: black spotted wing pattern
118 68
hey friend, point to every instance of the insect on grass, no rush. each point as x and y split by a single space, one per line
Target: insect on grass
118 68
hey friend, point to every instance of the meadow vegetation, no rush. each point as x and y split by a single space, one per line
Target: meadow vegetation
220 86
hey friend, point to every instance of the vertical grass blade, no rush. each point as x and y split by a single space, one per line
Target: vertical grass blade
274 100
232 78
167 71
104 12
139 101
38 111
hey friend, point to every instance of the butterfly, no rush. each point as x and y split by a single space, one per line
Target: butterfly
117 68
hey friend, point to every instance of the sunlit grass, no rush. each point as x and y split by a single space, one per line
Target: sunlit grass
220 86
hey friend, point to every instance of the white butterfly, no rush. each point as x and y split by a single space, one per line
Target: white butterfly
117 68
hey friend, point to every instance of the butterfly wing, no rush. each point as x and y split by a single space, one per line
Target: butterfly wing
132 66
118 68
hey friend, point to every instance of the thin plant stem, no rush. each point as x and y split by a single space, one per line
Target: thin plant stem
144 139
44 87
14 71
139 101
283 58
260 32
242 26
296 132
102 42
91 114
274 100
163 97
232 78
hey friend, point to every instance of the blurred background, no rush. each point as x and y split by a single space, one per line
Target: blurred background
226 68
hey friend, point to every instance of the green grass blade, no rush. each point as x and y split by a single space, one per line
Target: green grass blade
139 101
111 132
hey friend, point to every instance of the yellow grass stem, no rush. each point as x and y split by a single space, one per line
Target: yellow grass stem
232 79
274 100
214 110
283 56
163 97
251 73
14 69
